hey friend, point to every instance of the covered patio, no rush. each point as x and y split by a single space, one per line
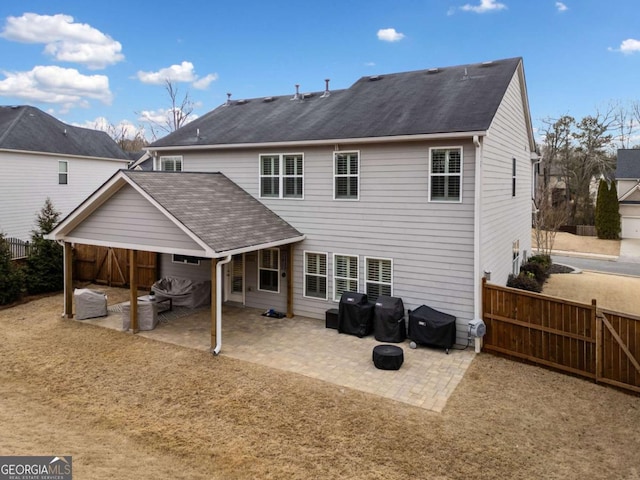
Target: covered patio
305 346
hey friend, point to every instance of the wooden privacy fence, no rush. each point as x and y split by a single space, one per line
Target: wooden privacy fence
573 337
110 266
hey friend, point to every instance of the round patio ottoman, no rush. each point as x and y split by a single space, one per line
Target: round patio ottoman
388 357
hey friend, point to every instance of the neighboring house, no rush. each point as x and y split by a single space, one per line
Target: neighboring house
43 157
414 185
628 186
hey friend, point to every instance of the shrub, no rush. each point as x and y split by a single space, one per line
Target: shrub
543 260
538 271
11 276
607 214
524 281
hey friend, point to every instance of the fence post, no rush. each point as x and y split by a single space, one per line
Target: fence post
595 319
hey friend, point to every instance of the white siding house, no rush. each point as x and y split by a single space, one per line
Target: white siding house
628 187
414 185
42 157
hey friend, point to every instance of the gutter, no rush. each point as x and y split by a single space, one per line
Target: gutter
219 265
310 143
477 210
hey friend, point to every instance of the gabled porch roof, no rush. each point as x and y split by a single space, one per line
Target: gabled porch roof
191 213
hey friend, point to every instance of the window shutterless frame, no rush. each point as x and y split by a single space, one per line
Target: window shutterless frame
446 174
315 275
346 270
63 172
269 270
346 175
170 163
378 277
281 175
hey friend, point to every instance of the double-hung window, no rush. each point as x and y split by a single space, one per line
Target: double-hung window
63 172
445 173
513 177
346 173
269 270
379 281
171 163
515 257
345 275
282 176
315 275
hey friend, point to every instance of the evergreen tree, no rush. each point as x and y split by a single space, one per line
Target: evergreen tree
11 277
45 265
607 213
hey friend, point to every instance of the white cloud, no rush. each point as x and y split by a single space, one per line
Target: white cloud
561 7
52 84
370 64
630 45
390 35
64 39
185 72
160 117
484 7
123 128
204 82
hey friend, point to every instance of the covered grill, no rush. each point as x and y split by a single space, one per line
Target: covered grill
432 328
388 320
355 314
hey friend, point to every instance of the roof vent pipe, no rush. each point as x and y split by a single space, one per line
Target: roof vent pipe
326 88
228 99
297 95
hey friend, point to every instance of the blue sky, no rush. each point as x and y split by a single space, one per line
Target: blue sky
86 61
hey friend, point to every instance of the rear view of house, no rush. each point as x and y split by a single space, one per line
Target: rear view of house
415 185
43 157
628 178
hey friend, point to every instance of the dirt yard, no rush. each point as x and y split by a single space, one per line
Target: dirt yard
130 408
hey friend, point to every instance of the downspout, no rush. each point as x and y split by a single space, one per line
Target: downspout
477 210
219 265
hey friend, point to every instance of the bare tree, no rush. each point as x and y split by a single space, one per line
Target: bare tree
547 220
121 134
177 115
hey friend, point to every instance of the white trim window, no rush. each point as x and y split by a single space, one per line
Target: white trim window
346 175
63 172
345 275
445 174
185 259
282 175
515 257
171 163
379 274
315 275
269 270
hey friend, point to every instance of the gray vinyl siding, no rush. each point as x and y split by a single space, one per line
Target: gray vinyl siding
505 218
431 244
197 273
28 179
128 218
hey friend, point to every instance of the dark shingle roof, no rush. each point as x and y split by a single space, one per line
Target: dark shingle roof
628 165
29 129
453 99
214 208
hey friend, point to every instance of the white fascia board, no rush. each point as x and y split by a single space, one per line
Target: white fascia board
262 246
65 155
137 246
333 141
630 192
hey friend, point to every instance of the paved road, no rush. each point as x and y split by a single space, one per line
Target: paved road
609 266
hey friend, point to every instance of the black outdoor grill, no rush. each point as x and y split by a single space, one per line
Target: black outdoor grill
432 328
355 314
388 320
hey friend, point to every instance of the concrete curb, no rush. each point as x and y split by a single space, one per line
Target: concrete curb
595 256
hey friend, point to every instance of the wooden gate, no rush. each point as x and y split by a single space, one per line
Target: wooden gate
573 337
110 266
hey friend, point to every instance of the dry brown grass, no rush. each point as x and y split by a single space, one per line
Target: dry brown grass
127 407
575 243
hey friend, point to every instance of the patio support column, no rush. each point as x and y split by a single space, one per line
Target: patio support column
214 302
133 289
290 280
68 280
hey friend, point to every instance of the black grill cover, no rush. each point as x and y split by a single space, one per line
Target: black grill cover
431 327
355 314
388 320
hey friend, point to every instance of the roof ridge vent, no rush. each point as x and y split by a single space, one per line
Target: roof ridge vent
268 99
242 102
487 64
326 89
375 78
307 95
297 94
433 70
